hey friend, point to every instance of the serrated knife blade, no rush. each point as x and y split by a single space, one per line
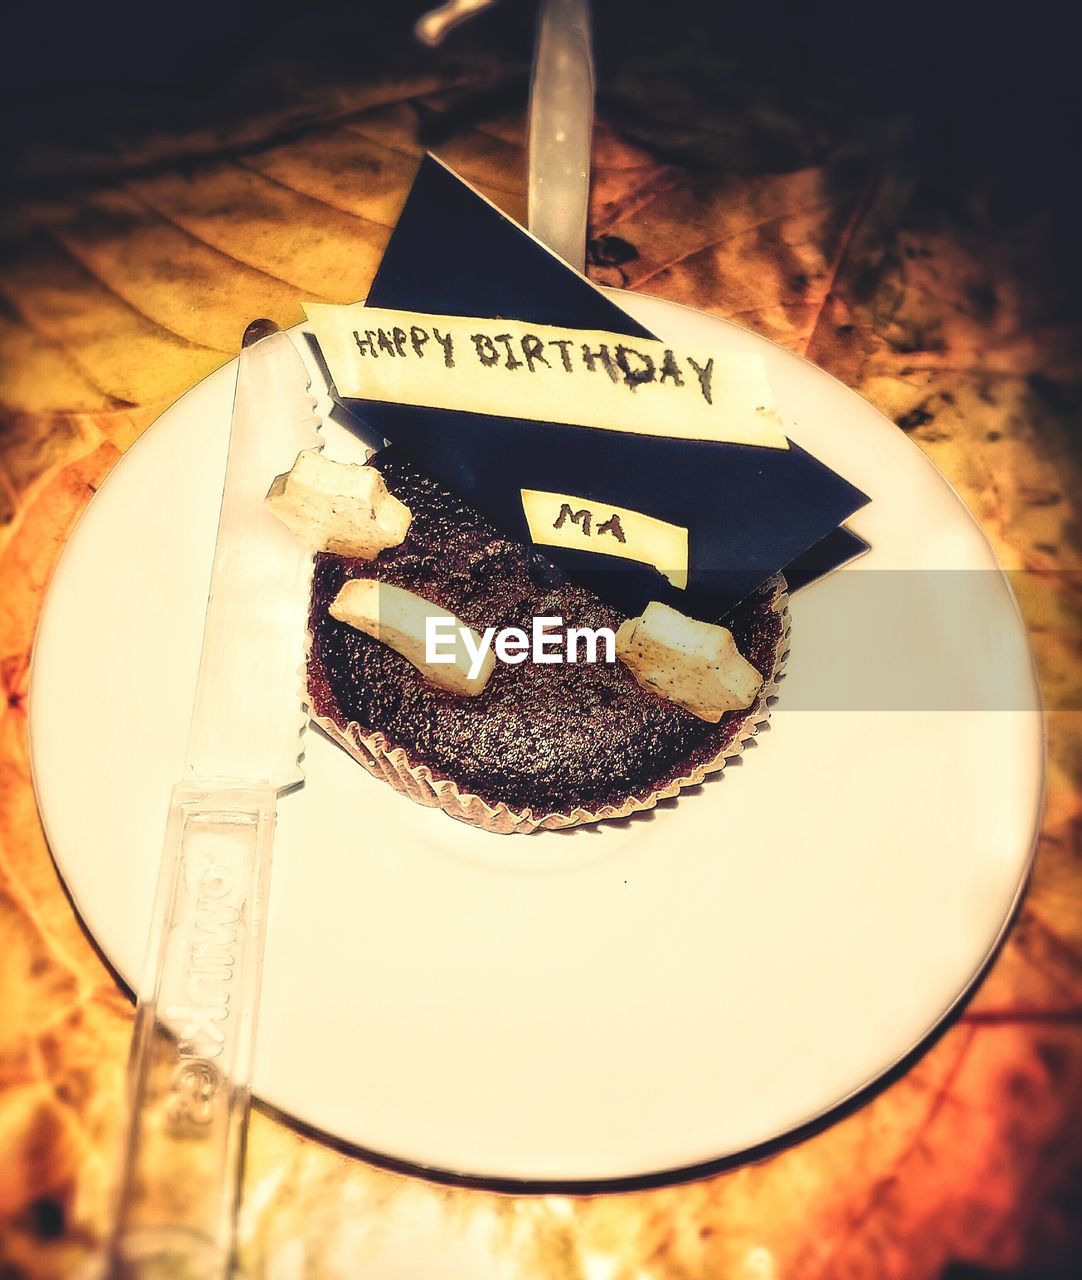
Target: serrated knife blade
190 1066
246 719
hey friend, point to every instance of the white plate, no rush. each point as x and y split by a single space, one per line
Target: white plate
609 1003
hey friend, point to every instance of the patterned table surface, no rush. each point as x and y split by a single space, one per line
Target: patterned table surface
130 268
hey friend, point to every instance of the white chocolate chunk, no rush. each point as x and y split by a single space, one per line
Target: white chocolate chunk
694 664
338 507
400 619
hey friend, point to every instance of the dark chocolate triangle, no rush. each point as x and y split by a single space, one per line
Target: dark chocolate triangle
452 253
839 547
750 511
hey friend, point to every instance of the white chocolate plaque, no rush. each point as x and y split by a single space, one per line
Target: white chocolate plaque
578 377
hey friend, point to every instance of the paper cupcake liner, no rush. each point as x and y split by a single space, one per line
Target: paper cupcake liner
394 766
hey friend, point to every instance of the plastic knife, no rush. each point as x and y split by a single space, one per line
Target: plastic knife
191 1056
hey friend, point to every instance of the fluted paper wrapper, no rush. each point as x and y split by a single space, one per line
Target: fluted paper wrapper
394 766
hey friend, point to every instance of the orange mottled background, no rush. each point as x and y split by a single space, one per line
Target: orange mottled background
891 191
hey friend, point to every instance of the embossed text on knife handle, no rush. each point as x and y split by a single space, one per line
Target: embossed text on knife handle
190 1067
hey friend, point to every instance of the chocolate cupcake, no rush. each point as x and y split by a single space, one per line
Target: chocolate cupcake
543 745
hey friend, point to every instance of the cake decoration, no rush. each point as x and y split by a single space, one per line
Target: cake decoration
579 377
576 523
337 506
404 620
694 664
749 509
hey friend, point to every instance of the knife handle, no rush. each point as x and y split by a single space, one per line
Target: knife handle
190 1067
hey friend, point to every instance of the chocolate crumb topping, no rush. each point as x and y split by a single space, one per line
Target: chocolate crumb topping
549 737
